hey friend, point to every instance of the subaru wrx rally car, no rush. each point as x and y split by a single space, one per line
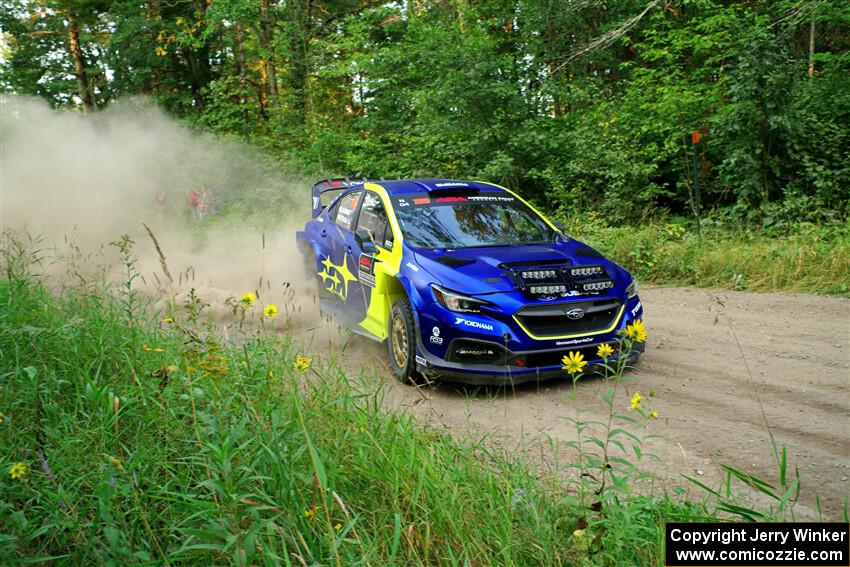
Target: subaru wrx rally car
464 280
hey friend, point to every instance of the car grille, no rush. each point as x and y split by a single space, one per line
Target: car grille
552 320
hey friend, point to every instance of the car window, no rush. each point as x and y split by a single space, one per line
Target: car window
469 221
327 196
343 216
373 219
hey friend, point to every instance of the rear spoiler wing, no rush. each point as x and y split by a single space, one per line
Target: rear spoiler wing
326 185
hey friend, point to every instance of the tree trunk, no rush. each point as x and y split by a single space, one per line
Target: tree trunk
812 47
80 71
267 39
240 53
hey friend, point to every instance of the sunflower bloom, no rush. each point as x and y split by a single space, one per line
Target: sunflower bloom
636 398
302 363
640 331
604 351
270 311
573 363
18 470
247 299
654 414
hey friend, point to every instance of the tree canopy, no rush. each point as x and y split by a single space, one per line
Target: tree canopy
580 104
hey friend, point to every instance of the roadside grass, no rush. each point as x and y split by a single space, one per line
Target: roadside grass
801 257
148 438
156 443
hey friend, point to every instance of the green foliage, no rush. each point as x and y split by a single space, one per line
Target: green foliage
581 107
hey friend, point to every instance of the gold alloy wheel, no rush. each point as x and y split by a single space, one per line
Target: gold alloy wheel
399 341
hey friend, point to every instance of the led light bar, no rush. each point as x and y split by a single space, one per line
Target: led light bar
547 289
587 271
538 274
597 286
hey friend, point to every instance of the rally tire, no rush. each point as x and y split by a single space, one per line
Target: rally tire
401 341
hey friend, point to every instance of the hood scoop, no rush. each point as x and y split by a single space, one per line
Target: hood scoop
588 252
454 261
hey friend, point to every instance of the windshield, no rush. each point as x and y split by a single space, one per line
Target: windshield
469 221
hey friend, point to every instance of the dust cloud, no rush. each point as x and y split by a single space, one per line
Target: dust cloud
78 182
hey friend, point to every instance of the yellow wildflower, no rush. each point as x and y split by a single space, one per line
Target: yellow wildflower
168 320
636 331
302 363
635 400
248 299
338 527
147 348
640 331
310 513
161 51
270 311
573 362
578 534
654 414
604 351
18 470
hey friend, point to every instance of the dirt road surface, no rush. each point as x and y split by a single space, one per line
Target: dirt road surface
719 365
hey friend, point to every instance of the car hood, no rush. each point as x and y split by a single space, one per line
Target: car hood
480 271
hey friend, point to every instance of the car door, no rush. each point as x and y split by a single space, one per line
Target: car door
338 272
371 218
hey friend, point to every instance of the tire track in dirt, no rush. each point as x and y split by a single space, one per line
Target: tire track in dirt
795 346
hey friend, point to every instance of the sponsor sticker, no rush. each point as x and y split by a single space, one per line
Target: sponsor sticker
473 324
636 309
492 198
412 266
574 341
366 270
435 336
421 360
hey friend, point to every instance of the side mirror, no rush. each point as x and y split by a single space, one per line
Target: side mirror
364 241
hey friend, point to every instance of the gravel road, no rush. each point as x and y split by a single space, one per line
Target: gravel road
721 368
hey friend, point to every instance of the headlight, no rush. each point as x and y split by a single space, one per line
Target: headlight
456 302
632 290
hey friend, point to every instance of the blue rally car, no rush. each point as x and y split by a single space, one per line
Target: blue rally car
464 280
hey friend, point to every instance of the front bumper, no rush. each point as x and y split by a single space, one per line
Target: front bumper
521 358
507 375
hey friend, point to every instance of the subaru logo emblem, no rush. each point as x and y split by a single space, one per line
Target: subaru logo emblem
576 313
